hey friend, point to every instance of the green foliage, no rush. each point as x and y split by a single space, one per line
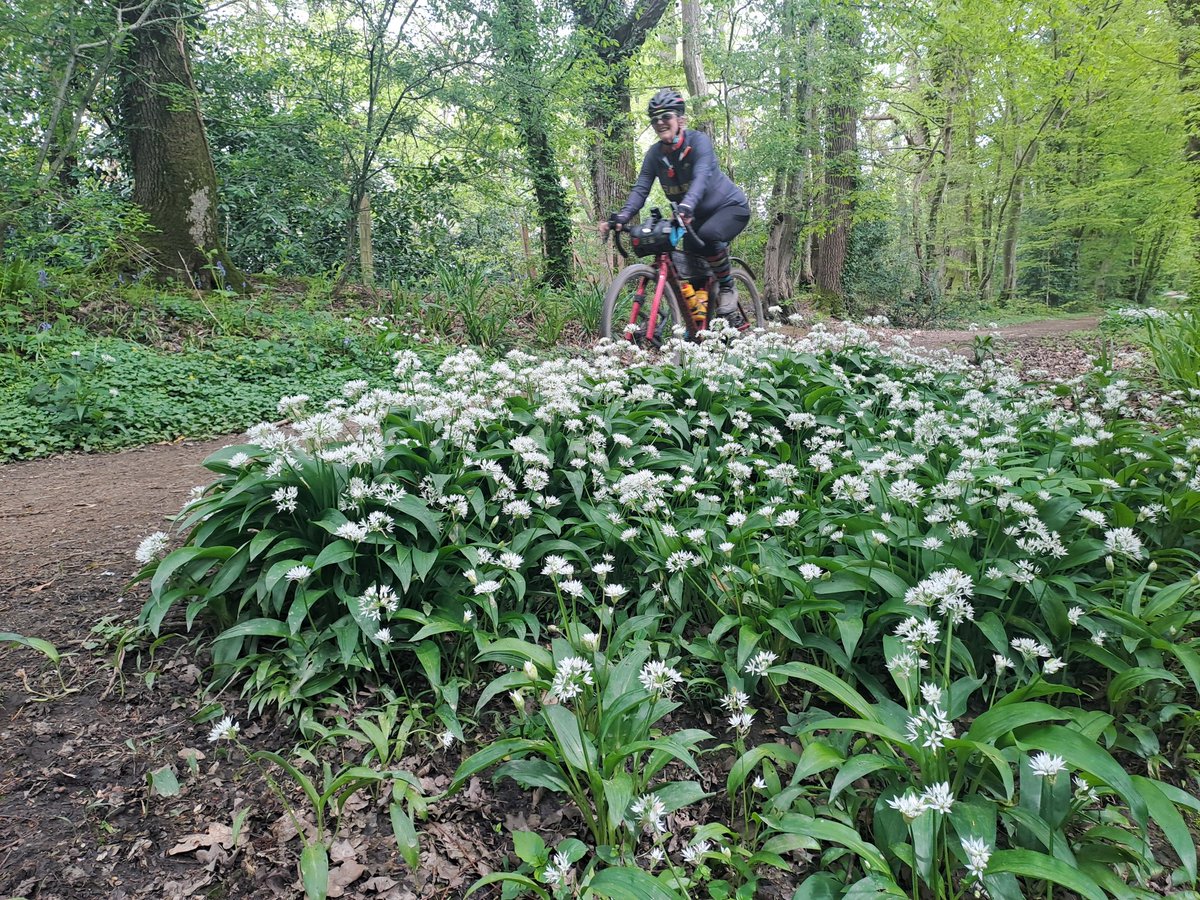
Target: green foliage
325 796
1173 341
598 741
945 562
18 280
184 365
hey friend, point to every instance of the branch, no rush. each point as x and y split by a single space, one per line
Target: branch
633 31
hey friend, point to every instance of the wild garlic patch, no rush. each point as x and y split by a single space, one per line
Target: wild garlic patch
956 592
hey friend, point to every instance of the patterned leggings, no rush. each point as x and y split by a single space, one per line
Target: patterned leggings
716 232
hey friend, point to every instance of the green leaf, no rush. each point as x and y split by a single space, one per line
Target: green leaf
1039 866
339 551
530 848
817 757
830 683
746 763
1080 753
163 782
1003 767
1000 720
622 883
576 752
865 726
857 767
275 573
531 773
508 682
423 561
406 836
174 561
821 886
512 877
678 794
618 795
1168 818
255 628
514 652
44 647
314 871
831 832
1130 680
492 754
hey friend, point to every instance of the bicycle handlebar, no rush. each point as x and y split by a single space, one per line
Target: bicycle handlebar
615 228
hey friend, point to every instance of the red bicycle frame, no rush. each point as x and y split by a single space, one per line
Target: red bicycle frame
666 273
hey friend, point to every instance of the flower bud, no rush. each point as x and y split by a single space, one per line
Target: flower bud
1109 564
531 671
518 699
1153 567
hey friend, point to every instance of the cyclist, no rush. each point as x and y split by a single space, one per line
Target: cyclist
705 198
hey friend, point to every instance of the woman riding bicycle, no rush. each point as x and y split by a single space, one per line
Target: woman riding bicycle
704 197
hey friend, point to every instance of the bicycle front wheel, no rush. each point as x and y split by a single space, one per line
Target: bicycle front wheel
749 300
626 313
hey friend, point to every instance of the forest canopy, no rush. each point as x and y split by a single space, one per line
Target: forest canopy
909 158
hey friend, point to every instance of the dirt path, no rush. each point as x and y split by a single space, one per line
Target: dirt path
83 515
1022 333
76 819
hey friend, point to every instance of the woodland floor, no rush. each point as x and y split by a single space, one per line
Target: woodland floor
77 820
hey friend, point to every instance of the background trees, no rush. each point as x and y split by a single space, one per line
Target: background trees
910 158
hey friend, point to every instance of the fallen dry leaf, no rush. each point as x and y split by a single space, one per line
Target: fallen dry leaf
217 834
342 876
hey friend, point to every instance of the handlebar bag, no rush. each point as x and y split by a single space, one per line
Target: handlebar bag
650 238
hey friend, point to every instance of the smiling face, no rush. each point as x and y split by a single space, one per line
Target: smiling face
667 126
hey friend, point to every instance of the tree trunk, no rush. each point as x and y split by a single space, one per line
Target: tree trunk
844 28
1008 287
787 190
693 66
1187 16
612 36
610 155
366 249
174 181
520 38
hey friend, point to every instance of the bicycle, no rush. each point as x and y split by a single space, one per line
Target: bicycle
639 315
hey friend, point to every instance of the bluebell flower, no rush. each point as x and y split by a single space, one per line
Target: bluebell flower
43 278
45 326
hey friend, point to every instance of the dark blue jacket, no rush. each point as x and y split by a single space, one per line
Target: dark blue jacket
689 176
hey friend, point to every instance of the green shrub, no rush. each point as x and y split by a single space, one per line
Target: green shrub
928 548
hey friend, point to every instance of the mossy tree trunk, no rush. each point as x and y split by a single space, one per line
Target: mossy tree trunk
173 175
844 30
612 33
1187 16
517 35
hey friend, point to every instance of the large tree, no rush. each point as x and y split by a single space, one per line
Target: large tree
793 141
516 34
174 181
844 31
610 34
1187 15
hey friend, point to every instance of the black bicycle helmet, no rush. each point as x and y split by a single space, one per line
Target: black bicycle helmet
666 100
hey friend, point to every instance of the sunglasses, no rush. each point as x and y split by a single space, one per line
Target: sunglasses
664 118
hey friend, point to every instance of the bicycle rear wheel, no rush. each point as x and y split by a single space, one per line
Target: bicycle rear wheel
633 289
749 299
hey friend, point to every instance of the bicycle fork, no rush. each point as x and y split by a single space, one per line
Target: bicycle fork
655 303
